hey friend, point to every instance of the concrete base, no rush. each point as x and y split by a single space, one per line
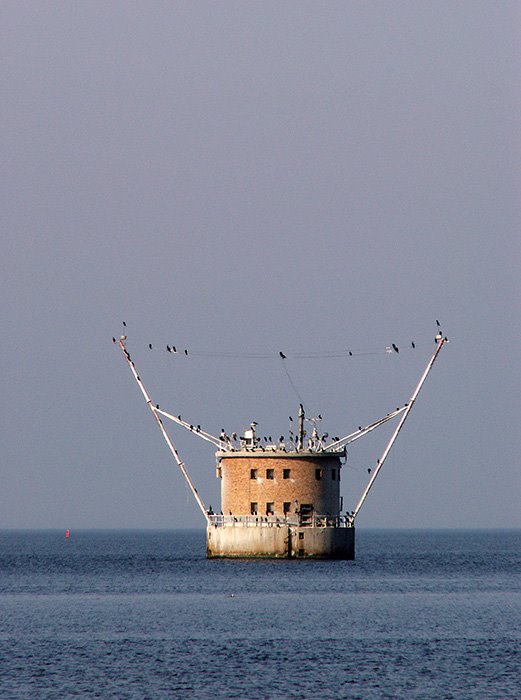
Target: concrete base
280 542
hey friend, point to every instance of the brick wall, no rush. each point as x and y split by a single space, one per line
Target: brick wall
239 490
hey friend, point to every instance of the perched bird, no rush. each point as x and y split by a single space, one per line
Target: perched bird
438 323
168 348
173 348
395 348
124 324
150 346
368 471
350 354
186 352
113 340
412 344
157 405
359 427
283 356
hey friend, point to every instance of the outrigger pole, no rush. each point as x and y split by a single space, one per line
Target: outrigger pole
440 341
180 464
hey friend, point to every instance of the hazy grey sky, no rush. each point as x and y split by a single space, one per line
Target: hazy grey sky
237 176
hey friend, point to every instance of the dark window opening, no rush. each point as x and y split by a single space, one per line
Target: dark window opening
269 474
253 473
253 508
286 508
301 552
301 535
286 473
318 474
270 508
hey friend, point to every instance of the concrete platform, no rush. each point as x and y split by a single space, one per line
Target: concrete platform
282 541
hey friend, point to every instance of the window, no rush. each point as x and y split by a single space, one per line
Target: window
253 508
270 508
318 474
301 535
269 474
253 473
333 474
286 507
286 473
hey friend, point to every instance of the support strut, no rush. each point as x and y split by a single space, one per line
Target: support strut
171 446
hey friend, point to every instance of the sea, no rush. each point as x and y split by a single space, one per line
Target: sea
143 614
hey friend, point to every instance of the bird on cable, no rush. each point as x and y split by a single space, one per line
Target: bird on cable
113 340
282 355
124 324
168 348
157 405
173 348
438 323
368 471
198 429
186 352
350 354
413 344
291 419
395 348
150 346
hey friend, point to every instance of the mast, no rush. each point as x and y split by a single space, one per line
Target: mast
300 438
171 446
440 341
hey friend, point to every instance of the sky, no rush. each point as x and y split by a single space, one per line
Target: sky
240 178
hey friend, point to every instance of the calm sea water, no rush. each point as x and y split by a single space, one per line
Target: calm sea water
419 614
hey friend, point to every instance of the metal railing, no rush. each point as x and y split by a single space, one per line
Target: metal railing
278 521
